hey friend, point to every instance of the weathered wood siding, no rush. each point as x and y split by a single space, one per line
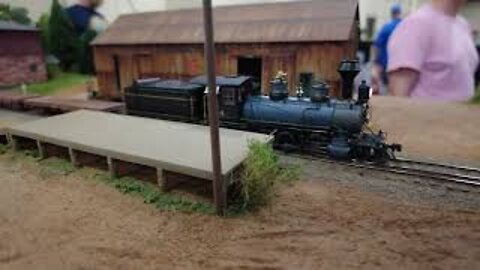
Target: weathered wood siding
186 61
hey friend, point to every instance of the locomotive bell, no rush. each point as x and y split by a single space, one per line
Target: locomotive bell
320 92
348 70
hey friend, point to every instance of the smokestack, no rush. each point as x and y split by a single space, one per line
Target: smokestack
348 70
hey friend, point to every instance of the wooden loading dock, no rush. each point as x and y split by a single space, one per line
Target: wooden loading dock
167 147
18 101
9 118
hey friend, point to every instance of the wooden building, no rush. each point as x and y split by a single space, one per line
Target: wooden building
21 56
256 40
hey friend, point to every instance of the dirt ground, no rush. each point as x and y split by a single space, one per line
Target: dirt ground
434 130
51 221
336 218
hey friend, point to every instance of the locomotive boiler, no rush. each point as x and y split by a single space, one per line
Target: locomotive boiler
314 124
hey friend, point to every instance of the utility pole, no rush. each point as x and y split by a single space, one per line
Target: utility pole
219 189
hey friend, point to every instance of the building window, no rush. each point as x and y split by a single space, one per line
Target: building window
33 68
228 97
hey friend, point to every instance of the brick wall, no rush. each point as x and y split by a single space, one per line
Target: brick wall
18 69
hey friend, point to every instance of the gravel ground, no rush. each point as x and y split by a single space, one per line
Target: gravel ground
395 187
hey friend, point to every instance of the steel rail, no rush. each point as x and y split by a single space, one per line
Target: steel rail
451 177
462 179
439 165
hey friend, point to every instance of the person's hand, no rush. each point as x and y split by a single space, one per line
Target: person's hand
376 79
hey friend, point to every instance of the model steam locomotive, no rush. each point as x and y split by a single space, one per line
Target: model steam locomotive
314 124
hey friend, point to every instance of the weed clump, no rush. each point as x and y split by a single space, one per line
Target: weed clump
3 149
262 176
58 166
151 194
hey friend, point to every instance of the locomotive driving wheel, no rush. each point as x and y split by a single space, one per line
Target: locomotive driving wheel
372 154
286 141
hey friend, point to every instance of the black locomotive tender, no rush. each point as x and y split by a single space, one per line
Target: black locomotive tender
317 124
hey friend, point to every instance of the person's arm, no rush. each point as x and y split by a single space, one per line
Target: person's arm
376 77
402 81
408 49
379 42
377 69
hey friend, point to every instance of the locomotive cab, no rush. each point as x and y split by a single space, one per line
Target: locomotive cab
232 93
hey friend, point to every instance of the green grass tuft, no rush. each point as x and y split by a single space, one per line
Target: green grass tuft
61 82
476 99
262 176
55 167
3 149
151 194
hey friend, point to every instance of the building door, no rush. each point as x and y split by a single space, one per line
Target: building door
116 69
251 66
127 71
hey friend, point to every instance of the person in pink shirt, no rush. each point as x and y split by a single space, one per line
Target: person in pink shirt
432 54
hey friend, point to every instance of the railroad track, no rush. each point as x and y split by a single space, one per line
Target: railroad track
437 171
422 169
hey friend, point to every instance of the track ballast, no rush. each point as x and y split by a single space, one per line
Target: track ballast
447 173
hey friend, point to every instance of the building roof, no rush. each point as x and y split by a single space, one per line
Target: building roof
13 26
233 81
299 21
170 85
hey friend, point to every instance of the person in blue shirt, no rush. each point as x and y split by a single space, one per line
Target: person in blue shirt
380 53
84 16
87 24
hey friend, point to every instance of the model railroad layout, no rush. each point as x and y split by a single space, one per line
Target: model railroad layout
313 124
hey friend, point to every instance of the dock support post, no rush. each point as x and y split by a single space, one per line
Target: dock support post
41 150
9 139
73 158
112 167
162 180
14 143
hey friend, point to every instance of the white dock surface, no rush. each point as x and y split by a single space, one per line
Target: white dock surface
11 118
172 146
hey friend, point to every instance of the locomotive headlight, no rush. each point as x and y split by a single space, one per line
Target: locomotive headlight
365 92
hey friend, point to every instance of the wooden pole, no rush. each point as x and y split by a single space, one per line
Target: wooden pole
219 189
